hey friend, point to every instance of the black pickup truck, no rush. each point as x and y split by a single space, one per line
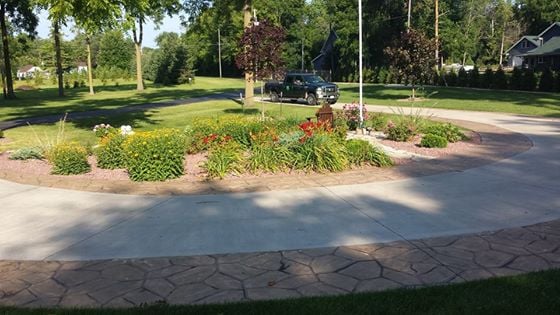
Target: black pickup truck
310 87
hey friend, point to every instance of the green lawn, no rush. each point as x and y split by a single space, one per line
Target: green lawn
516 102
45 101
535 293
171 117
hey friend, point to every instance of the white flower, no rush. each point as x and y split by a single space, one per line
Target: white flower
126 130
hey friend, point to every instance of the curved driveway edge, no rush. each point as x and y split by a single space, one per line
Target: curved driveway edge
280 274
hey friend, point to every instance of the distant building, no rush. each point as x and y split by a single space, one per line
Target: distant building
537 51
81 67
27 72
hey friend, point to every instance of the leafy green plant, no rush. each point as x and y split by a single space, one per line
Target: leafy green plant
269 157
29 153
224 159
321 152
110 153
433 141
68 158
378 121
362 152
155 155
1 133
401 131
450 132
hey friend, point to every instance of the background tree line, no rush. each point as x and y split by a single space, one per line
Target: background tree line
110 34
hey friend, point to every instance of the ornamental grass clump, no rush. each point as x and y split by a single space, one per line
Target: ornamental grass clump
224 159
68 159
321 152
268 154
155 155
362 152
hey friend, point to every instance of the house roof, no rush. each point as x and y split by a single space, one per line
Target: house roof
552 47
532 38
26 68
548 28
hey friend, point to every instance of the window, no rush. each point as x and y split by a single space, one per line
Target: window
540 59
525 44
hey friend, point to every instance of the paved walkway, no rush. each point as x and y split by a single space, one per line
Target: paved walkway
66 225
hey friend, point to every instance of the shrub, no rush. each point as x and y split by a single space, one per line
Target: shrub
1 133
546 82
462 78
500 79
451 78
321 152
529 80
352 115
102 130
68 158
433 141
361 152
487 79
155 155
378 121
27 154
224 159
110 153
516 79
450 132
400 131
474 77
557 82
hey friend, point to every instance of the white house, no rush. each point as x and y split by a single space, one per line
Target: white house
81 67
27 72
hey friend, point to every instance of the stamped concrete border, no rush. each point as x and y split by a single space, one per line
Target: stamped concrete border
280 274
497 144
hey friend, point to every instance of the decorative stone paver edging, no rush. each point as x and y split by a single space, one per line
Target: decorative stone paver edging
282 274
497 144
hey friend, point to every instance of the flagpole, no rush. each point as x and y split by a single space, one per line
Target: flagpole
360 64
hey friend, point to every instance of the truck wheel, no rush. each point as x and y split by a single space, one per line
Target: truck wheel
311 99
274 97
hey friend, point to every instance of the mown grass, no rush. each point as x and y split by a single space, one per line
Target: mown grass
515 102
534 293
45 100
166 117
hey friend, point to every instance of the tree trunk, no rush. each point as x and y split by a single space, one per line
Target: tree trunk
89 67
57 49
138 47
9 89
249 80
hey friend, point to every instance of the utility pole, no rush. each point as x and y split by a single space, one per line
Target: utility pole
220 52
249 84
437 35
360 64
409 13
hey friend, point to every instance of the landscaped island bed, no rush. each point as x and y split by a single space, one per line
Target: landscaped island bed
478 150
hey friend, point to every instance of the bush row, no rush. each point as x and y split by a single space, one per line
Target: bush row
518 79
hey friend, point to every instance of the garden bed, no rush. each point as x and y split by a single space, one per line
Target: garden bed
195 173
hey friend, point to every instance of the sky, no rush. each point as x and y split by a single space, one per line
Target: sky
150 31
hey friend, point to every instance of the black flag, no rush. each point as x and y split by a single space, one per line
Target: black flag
319 61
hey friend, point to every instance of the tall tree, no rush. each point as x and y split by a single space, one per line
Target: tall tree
95 16
59 12
538 14
137 12
19 13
